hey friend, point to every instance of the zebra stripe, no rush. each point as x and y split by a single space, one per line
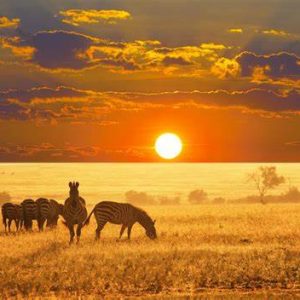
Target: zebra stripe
11 212
30 213
74 211
43 211
20 215
121 213
55 209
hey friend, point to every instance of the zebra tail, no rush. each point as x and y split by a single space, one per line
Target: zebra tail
3 218
38 208
87 221
65 223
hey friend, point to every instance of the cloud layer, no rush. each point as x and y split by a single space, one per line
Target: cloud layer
77 17
9 23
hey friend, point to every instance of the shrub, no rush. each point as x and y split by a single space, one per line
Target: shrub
197 197
4 197
139 198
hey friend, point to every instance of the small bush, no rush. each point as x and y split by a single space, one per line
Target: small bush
4 197
218 200
139 198
169 200
197 197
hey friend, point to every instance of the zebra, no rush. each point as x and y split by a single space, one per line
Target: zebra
30 212
124 214
43 207
12 212
74 211
55 209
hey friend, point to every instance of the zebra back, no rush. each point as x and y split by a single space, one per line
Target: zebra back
20 212
9 211
43 206
30 212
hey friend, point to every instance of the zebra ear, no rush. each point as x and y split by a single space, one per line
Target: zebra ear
154 222
70 184
77 184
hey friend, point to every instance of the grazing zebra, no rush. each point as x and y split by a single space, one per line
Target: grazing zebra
43 206
12 212
124 214
74 211
55 209
30 212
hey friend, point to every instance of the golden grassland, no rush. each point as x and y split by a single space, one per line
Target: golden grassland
201 250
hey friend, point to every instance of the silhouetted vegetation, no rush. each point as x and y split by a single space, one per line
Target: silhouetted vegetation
142 198
4 197
197 197
139 198
292 195
265 179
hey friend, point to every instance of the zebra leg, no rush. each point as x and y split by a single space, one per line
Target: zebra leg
98 231
27 224
72 233
129 231
5 224
9 224
50 223
30 224
42 222
78 232
17 224
122 231
54 222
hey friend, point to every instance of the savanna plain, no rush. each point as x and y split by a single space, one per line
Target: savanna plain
225 251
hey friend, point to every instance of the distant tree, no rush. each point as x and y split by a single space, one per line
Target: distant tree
139 198
4 197
197 197
292 195
218 200
265 179
164 200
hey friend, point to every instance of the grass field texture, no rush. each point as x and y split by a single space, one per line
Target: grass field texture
200 250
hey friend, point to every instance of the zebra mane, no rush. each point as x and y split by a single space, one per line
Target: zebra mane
144 214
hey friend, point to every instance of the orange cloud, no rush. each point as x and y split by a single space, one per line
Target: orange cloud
235 30
9 23
14 44
77 17
281 66
275 32
226 68
51 106
213 46
75 51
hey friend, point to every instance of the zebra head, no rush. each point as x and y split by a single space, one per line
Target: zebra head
151 231
74 193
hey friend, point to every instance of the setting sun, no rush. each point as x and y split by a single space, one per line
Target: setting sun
168 145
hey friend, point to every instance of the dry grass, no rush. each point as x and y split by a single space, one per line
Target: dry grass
200 249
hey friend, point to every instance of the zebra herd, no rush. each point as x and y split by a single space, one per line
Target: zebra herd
74 212
40 210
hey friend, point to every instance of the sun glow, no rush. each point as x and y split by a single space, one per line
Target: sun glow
168 145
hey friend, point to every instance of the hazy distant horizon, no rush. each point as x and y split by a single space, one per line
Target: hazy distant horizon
110 181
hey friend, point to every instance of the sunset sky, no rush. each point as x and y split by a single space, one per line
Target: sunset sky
91 80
